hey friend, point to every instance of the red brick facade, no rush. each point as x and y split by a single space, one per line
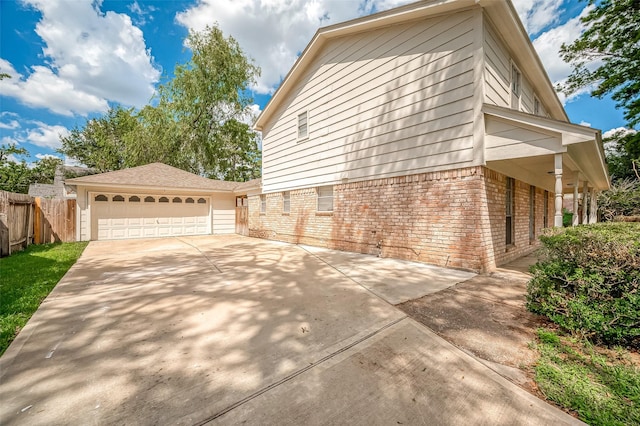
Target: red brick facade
453 218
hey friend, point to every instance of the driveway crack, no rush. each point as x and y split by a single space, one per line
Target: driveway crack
297 373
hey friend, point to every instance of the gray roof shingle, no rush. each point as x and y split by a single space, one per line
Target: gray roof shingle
160 175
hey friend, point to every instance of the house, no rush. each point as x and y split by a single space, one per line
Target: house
428 132
157 200
58 189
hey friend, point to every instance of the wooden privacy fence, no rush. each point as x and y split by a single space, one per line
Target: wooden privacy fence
55 220
16 222
27 220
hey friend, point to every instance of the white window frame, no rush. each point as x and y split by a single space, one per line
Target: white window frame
302 137
516 86
536 105
286 202
263 203
322 195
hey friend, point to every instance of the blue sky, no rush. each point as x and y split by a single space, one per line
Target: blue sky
72 59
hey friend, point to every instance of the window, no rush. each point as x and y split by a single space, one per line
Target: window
163 200
510 199
101 198
263 204
134 199
325 198
118 198
532 214
303 125
177 199
149 200
202 201
189 200
286 202
545 210
516 81
536 105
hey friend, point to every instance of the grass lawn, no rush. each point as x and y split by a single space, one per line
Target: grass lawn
601 385
26 278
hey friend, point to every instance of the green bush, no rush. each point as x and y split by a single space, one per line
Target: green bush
588 281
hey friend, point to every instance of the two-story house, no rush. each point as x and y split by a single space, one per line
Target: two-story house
429 132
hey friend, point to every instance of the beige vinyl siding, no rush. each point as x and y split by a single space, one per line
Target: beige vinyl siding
388 102
497 75
506 141
224 213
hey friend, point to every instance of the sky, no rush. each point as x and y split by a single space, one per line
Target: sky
70 60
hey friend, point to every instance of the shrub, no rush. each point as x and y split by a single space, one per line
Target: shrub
588 281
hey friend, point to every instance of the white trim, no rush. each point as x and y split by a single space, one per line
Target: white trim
306 116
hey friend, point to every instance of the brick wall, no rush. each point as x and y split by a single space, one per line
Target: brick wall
453 218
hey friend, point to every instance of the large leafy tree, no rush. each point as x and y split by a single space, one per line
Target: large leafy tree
17 176
611 41
103 143
197 121
208 99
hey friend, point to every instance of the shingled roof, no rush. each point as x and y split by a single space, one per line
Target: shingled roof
159 175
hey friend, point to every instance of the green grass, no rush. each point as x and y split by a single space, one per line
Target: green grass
601 385
26 278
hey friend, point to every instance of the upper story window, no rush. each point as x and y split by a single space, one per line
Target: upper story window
536 105
303 125
516 81
325 198
263 203
286 202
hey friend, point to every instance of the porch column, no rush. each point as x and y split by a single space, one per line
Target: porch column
576 192
557 221
593 208
585 193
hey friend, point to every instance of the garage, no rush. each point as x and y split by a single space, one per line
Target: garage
124 216
155 200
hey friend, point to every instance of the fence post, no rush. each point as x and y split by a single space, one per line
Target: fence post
37 222
5 246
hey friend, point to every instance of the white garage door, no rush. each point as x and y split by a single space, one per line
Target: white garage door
123 216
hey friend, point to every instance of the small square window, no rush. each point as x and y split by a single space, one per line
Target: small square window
286 202
325 198
263 204
303 125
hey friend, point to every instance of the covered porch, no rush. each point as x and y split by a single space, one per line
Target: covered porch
560 157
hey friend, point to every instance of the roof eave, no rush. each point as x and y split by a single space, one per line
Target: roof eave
143 188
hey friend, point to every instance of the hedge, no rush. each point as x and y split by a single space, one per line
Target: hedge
588 281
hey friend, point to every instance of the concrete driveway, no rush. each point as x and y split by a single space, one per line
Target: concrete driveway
230 330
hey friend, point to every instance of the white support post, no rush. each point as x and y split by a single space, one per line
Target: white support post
557 220
576 194
593 208
585 197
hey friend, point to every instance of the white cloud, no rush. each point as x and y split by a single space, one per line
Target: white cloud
585 123
43 156
92 57
46 135
536 15
274 32
10 125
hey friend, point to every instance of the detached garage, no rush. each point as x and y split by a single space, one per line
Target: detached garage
155 200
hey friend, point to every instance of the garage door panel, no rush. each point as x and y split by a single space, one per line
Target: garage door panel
129 219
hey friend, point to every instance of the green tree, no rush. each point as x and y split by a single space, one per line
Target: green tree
14 176
611 40
208 99
196 123
623 156
44 170
103 143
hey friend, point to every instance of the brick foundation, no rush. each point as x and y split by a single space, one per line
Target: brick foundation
453 218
